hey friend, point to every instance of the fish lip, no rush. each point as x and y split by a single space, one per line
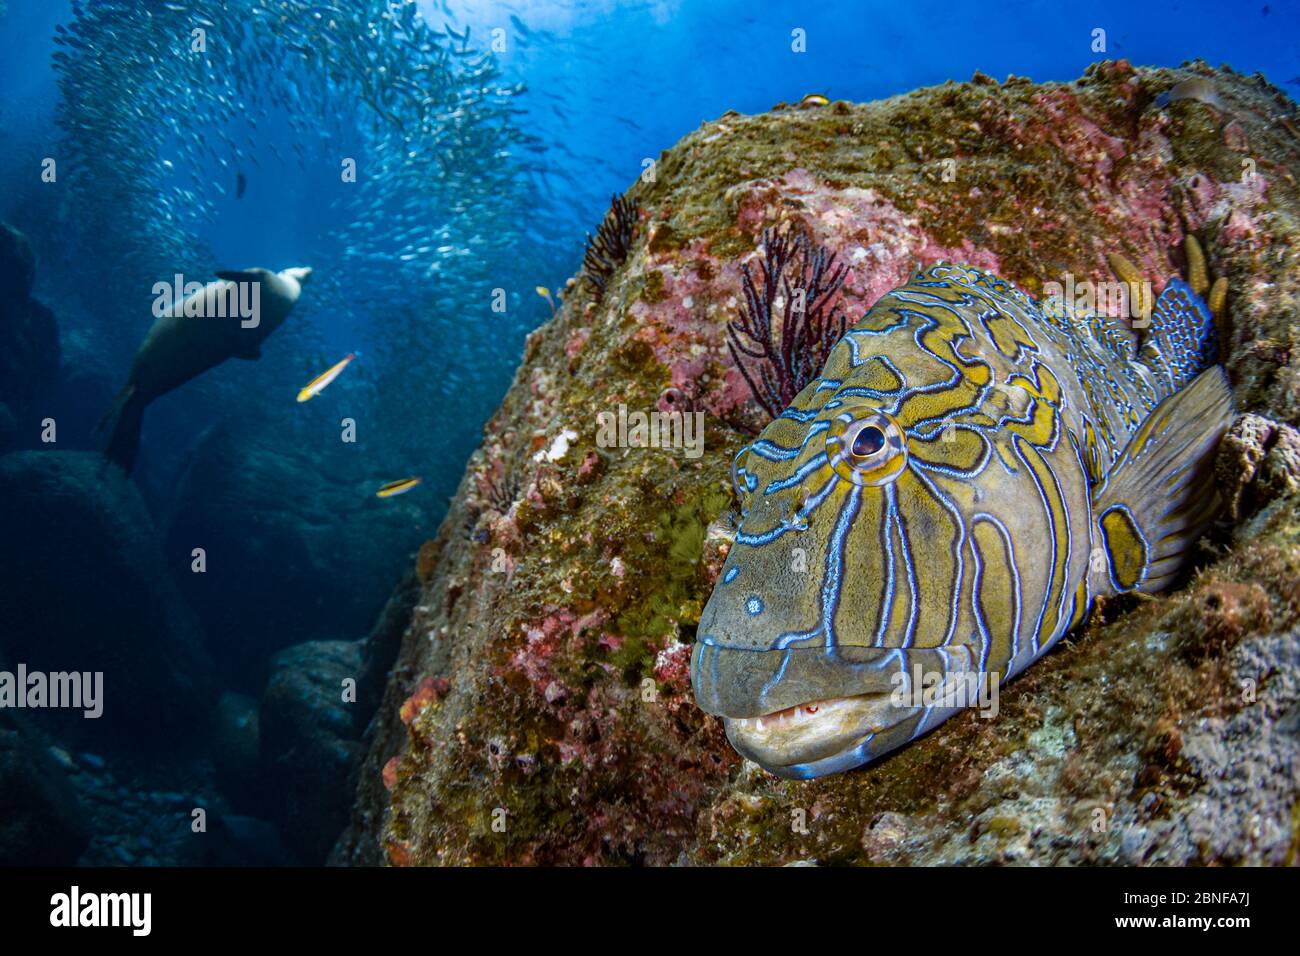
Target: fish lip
797 744
804 705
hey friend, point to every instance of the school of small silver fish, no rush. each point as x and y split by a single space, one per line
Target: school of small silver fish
158 140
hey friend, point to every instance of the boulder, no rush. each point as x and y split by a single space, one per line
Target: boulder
236 747
380 650
543 679
305 544
8 429
235 840
29 332
17 264
41 822
310 743
86 588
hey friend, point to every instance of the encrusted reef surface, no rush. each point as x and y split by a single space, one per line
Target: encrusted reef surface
541 709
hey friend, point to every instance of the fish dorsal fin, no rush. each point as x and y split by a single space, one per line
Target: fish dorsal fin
1161 494
1181 341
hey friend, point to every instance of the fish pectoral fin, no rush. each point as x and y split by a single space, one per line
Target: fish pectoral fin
238 275
1161 494
249 348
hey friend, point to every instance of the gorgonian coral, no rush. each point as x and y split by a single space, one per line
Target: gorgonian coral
609 248
788 323
501 490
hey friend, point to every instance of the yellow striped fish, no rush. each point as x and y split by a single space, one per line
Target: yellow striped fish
545 293
317 384
969 472
399 487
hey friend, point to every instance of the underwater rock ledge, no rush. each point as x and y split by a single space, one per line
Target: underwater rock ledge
541 711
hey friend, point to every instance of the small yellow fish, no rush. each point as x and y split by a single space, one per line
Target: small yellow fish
814 99
317 384
545 293
399 487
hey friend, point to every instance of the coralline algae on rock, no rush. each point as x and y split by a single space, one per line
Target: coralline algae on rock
561 596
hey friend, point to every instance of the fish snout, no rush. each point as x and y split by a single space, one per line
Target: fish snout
733 681
807 711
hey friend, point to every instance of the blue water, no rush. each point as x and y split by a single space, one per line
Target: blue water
407 261
613 83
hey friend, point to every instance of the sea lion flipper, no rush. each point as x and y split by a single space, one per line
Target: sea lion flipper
124 443
238 275
115 410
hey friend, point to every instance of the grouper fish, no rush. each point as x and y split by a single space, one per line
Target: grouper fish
971 470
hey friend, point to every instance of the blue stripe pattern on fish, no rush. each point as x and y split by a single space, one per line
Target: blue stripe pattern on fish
969 471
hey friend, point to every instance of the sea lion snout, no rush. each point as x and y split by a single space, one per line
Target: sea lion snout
301 273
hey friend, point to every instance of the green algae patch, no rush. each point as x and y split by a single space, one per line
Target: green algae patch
654 287
679 593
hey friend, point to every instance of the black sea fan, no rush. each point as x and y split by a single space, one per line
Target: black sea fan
502 491
609 248
779 355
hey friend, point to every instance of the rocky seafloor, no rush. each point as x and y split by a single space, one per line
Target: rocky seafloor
541 710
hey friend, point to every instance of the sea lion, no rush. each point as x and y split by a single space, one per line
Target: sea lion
231 317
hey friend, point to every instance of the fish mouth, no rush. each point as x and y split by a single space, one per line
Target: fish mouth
800 741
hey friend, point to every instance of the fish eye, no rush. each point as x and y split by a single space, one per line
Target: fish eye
869 441
867 449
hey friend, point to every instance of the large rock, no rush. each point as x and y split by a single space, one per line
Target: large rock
17 264
29 333
236 751
84 390
85 588
244 841
8 429
543 681
304 542
310 742
379 651
41 822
